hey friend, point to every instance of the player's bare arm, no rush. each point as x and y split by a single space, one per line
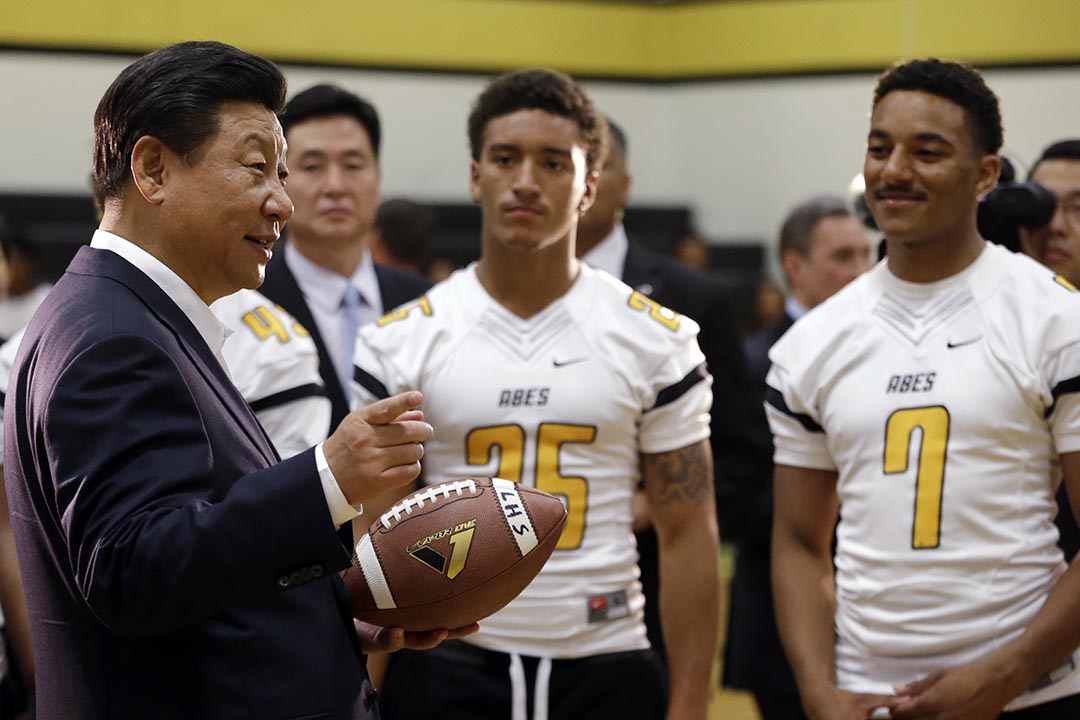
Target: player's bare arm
981 689
806 509
678 485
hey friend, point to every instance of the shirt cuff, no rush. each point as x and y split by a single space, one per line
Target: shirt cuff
341 511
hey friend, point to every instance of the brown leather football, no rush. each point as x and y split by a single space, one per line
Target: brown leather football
451 554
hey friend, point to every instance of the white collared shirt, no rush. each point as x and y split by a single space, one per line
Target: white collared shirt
214 332
609 254
324 289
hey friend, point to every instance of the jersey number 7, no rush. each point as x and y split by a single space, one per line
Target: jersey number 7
933 424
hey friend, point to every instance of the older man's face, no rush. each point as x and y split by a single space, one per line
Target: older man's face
224 211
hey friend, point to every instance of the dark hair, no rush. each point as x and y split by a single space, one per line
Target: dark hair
175 95
408 229
956 82
545 90
1061 150
800 223
320 101
616 137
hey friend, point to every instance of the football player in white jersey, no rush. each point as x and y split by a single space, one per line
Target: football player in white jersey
273 362
538 369
933 406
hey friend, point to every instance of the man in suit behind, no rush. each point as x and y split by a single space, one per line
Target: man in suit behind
173 567
822 248
737 423
326 277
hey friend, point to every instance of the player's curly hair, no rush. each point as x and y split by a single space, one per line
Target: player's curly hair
540 89
956 82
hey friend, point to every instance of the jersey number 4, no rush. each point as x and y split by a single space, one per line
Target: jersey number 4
510 440
933 424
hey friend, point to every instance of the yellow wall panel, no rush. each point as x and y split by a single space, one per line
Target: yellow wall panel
737 37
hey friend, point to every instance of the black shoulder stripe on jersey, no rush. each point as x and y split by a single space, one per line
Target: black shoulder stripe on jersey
1065 387
774 398
673 392
369 383
287 396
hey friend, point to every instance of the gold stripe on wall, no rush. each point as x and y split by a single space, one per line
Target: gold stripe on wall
601 39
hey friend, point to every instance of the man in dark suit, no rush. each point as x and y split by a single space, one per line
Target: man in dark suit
738 422
822 248
173 567
326 277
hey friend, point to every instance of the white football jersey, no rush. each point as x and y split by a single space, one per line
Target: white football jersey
275 365
564 401
942 407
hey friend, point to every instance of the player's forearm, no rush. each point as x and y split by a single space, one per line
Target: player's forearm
805 607
1054 632
689 613
678 485
1049 639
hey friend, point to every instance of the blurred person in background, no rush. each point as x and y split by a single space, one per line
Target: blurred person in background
24 289
823 247
404 235
1057 245
737 420
692 251
325 275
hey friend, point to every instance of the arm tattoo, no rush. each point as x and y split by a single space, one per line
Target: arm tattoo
683 475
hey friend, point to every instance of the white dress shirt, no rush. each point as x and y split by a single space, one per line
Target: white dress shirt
609 254
324 291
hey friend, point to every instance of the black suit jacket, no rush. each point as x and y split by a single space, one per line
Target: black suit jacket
396 287
738 422
753 657
173 567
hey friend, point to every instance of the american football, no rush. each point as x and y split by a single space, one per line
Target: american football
451 554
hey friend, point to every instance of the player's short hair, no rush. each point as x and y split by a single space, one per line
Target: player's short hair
956 82
175 95
320 101
800 223
1061 150
540 89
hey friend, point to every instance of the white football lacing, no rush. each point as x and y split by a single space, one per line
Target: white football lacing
431 494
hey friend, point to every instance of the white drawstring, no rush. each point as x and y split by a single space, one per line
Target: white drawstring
517 688
543 681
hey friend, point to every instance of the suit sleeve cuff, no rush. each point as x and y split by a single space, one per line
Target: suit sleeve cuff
341 511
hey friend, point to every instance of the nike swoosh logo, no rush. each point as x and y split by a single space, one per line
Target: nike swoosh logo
563 363
950 344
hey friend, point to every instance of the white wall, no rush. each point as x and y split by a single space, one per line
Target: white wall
738 152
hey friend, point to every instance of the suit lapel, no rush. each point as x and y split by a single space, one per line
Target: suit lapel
281 287
640 271
103 263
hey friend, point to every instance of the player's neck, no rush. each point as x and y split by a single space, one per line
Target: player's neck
928 261
526 283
